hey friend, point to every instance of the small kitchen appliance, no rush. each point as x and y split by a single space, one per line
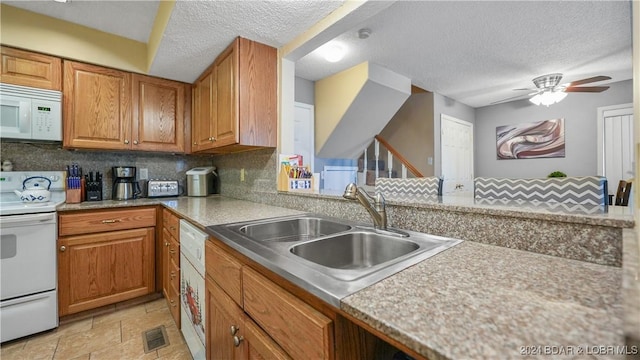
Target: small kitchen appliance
162 188
30 114
201 181
125 186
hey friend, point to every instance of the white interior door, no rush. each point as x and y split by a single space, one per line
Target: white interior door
303 134
616 156
456 149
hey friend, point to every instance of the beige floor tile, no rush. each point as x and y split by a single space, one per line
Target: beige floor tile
82 357
134 327
100 337
76 327
179 354
122 314
33 351
156 305
12 346
132 349
176 341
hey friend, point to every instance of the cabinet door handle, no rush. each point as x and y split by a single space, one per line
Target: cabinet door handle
237 340
173 274
195 143
63 248
166 244
172 227
213 139
110 221
173 303
135 142
172 251
126 141
234 330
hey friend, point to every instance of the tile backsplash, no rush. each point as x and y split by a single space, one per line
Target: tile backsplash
51 157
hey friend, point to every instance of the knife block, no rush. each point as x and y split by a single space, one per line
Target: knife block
73 196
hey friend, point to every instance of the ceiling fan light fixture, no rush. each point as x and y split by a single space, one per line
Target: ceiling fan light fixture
548 97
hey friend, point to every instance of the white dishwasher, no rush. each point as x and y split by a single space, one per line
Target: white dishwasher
192 291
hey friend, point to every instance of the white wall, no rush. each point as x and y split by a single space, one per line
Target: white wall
579 112
305 91
447 106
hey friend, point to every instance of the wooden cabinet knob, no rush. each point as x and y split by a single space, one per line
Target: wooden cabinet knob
126 141
234 330
135 142
195 143
63 248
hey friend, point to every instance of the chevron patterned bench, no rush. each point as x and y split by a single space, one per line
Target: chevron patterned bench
414 187
587 190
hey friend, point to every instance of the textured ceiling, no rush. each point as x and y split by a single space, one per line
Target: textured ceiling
130 19
474 52
478 52
200 30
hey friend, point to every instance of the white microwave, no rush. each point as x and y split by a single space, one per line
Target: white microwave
29 113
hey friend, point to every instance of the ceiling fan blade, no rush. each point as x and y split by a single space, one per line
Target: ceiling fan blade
591 89
589 80
523 96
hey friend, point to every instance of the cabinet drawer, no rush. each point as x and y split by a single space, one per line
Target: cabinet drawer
225 270
173 301
285 317
174 276
171 223
101 221
174 252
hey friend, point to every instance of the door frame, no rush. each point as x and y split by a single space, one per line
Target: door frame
445 117
312 137
600 130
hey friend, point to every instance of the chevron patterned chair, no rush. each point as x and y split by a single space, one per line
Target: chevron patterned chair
587 190
409 188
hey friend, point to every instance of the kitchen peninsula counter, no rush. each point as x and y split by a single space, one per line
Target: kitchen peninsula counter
471 301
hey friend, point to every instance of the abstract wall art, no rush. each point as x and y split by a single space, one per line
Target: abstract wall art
541 139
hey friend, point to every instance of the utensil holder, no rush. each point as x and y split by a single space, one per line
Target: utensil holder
285 183
73 196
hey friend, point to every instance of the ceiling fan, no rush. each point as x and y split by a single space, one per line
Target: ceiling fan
548 91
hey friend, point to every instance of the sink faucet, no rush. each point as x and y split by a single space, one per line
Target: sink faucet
377 210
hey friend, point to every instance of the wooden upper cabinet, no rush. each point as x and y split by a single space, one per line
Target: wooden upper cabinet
235 100
226 119
158 114
19 67
202 128
97 107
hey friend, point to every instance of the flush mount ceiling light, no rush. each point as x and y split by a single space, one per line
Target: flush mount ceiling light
333 51
62 1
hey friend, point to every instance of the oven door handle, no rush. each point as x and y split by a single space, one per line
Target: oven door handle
33 219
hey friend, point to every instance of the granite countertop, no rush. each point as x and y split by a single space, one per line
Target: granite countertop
613 216
473 300
201 211
483 301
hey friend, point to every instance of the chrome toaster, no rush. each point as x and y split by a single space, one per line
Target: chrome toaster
162 188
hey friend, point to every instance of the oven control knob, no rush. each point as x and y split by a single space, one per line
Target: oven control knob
63 248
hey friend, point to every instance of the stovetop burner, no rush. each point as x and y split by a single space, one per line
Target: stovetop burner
10 203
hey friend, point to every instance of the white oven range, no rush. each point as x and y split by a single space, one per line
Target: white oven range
28 266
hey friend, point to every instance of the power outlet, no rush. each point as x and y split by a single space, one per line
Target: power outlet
144 174
242 174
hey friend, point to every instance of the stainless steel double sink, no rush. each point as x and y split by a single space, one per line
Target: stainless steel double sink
332 258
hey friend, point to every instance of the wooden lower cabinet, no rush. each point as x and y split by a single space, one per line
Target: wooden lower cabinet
232 334
171 263
105 268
